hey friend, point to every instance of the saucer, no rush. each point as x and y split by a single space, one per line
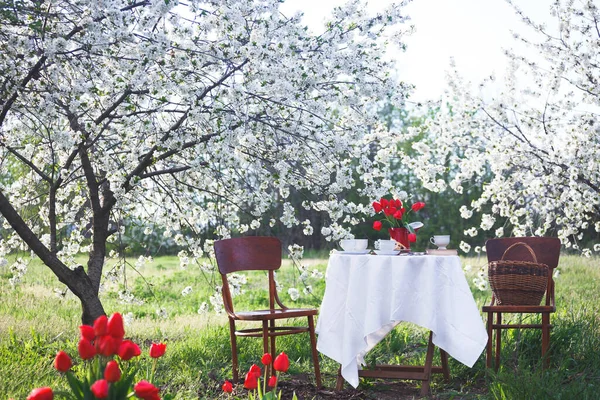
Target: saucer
355 252
387 252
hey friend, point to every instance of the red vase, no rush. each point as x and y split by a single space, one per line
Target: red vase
400 235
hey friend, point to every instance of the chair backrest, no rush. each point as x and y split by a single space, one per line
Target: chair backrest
248 253
258 253
546 249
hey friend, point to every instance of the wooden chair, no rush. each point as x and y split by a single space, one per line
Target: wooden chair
262 254
547 251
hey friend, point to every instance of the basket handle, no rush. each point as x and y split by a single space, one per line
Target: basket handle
521 244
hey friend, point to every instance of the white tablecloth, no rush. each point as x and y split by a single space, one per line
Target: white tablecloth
367 295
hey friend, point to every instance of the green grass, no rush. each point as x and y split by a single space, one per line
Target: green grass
35 323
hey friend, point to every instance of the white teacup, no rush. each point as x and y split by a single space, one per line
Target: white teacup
441 241
387 245
354 244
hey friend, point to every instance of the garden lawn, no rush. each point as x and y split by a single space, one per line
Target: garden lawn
36 322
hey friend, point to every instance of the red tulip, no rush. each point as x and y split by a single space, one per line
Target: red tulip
100 325
227 387
412 237
44 393
251 381
272 381
128 350
87 332
398 203
115 326
398 214
418 206
384 202
112 372
107 345
255 369
62 362
377 207
157 350
145 390
281 363
266 359
377 225
86 349
100 389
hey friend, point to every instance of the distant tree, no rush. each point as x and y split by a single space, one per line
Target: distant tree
179 116
534 148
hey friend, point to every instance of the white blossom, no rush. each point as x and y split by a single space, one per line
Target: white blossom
464 246
162 313
293 293
187 290
203 309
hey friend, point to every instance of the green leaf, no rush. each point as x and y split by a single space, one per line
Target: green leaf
76 385
123 386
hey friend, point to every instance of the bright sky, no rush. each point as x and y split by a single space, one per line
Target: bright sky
474 32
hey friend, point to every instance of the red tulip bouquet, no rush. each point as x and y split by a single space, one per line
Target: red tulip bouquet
103 376
396 216
252 379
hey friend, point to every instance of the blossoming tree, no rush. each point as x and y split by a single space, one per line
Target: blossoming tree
181 116
538 141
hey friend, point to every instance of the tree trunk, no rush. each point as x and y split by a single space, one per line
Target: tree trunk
82 286
91 308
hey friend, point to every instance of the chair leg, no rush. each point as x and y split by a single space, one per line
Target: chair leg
234 358
498 339
265 336
545 339
488 350
315 354
273 350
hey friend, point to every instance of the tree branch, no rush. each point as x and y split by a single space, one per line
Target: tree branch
173 170
121 98
29 163
33 72
148 158
63 272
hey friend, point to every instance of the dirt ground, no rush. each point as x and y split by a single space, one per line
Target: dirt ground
375 389
305 389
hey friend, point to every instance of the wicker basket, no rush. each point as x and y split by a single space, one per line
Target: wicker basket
518 282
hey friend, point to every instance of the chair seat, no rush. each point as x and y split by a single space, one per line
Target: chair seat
262 315
519 309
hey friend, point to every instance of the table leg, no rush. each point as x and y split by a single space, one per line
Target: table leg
427 369
339 382
445 369
421 373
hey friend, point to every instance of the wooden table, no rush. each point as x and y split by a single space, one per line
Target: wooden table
366 296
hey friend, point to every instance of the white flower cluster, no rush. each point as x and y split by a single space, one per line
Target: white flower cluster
533 146
481 281
162 313
223 108
294 294
126 297
296 251
18 269
236 281
187 290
